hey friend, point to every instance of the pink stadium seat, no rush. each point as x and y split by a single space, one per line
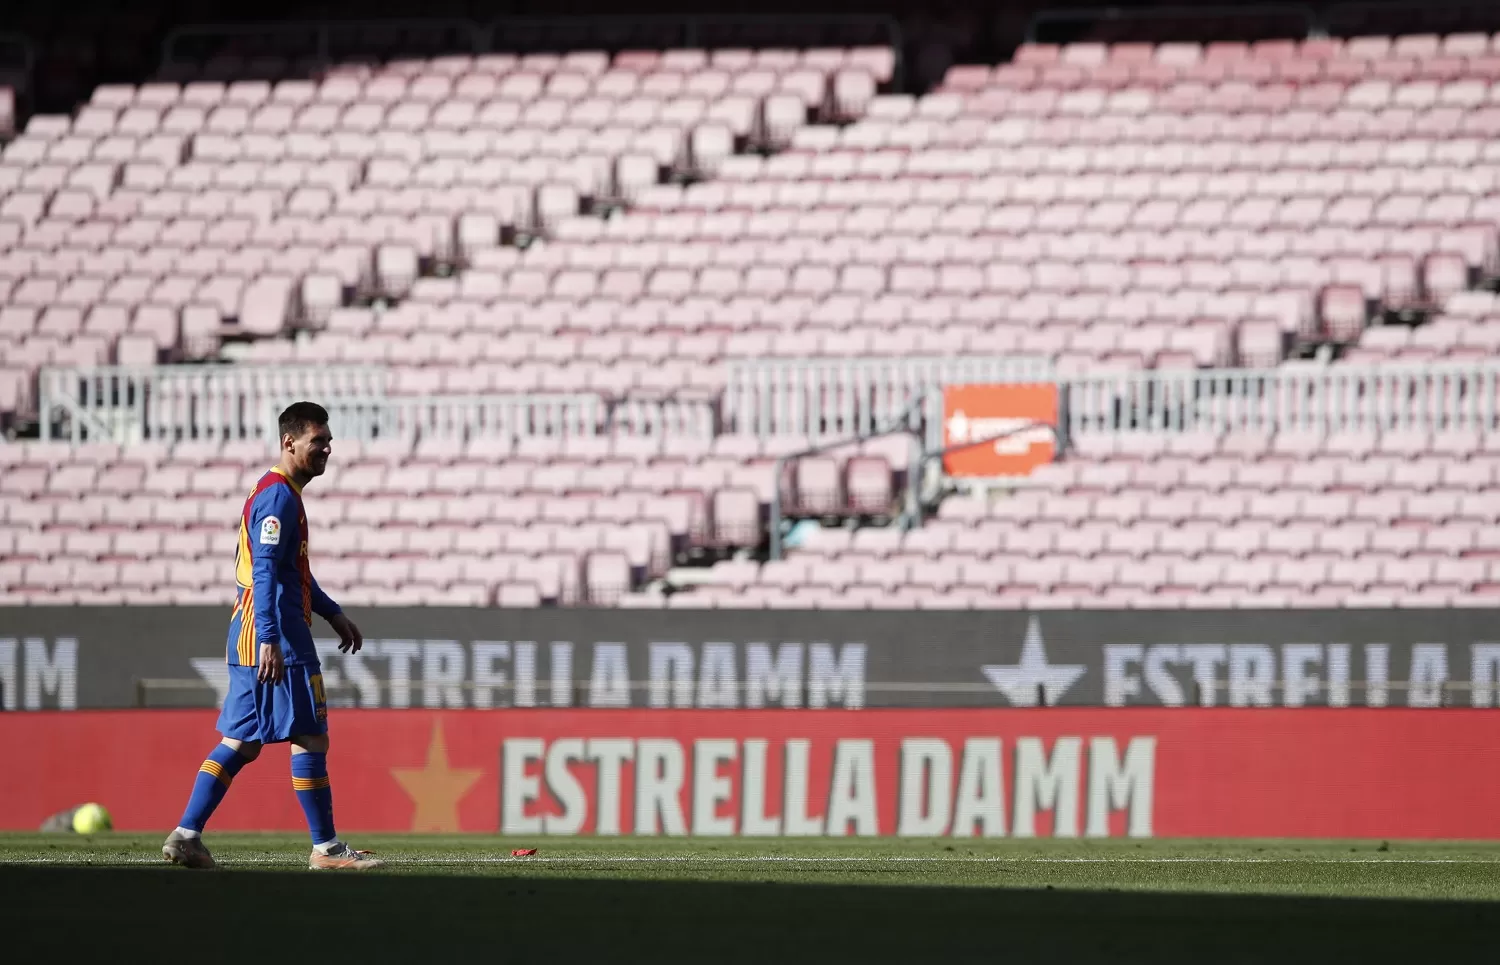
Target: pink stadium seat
1260 343
736 518
1443 275
607 577
1342 312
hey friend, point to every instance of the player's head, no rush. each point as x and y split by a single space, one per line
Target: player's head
305 440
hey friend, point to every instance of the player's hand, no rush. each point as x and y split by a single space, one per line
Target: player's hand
350 639
272 667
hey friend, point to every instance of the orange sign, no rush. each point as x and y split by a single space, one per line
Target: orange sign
1025 416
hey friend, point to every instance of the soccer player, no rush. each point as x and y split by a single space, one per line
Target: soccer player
275 681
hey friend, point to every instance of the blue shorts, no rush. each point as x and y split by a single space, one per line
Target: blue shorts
273 713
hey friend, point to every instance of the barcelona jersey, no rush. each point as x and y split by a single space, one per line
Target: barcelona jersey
277 593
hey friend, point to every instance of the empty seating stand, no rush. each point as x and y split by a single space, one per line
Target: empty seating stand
637 222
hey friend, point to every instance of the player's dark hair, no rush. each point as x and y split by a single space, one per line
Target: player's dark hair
299 416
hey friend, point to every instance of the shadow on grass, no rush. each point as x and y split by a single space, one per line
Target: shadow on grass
125 914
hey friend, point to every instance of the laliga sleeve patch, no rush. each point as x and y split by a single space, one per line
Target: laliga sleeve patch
270 531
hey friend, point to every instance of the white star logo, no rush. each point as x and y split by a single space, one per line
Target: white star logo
1019 683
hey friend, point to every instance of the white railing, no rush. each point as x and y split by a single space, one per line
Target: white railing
1427 398
462 417
170 402
513 416
809 399
823 398
693 418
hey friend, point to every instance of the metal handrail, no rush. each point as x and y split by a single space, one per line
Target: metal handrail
897 426
779 396
929 456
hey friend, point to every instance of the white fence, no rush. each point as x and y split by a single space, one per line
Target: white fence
170 402
461 417
828 399
696 418
1335 399
839 398
814 399
514 416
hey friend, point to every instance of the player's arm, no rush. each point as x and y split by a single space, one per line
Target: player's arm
272 534
322 603
350 639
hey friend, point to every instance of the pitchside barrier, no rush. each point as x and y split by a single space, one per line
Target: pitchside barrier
1320 723
77 658
1055 772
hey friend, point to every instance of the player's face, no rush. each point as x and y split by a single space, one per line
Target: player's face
309 452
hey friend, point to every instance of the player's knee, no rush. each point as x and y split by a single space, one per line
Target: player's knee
312 743
249 750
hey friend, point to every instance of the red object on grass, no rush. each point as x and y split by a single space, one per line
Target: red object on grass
523 852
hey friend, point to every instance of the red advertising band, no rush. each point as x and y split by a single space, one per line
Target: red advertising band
1383 773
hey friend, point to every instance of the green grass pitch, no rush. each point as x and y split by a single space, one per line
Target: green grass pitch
771 900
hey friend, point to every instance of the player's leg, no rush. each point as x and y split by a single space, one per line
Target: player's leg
239 724
309 739
314 793
215 775
184 845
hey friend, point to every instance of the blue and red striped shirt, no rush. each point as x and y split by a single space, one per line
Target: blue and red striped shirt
277 593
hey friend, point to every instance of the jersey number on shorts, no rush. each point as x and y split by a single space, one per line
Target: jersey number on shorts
320 703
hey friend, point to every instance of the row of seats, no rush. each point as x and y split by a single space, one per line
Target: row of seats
1024 574
600 577
1020 245
1402 511
522 595
1057 598
617 364
1305 458
649 544
991 119
389 454
1116 540
865 163
1230 97
1063 67
1189 502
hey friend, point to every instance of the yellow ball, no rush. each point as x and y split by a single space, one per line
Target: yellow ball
91 819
